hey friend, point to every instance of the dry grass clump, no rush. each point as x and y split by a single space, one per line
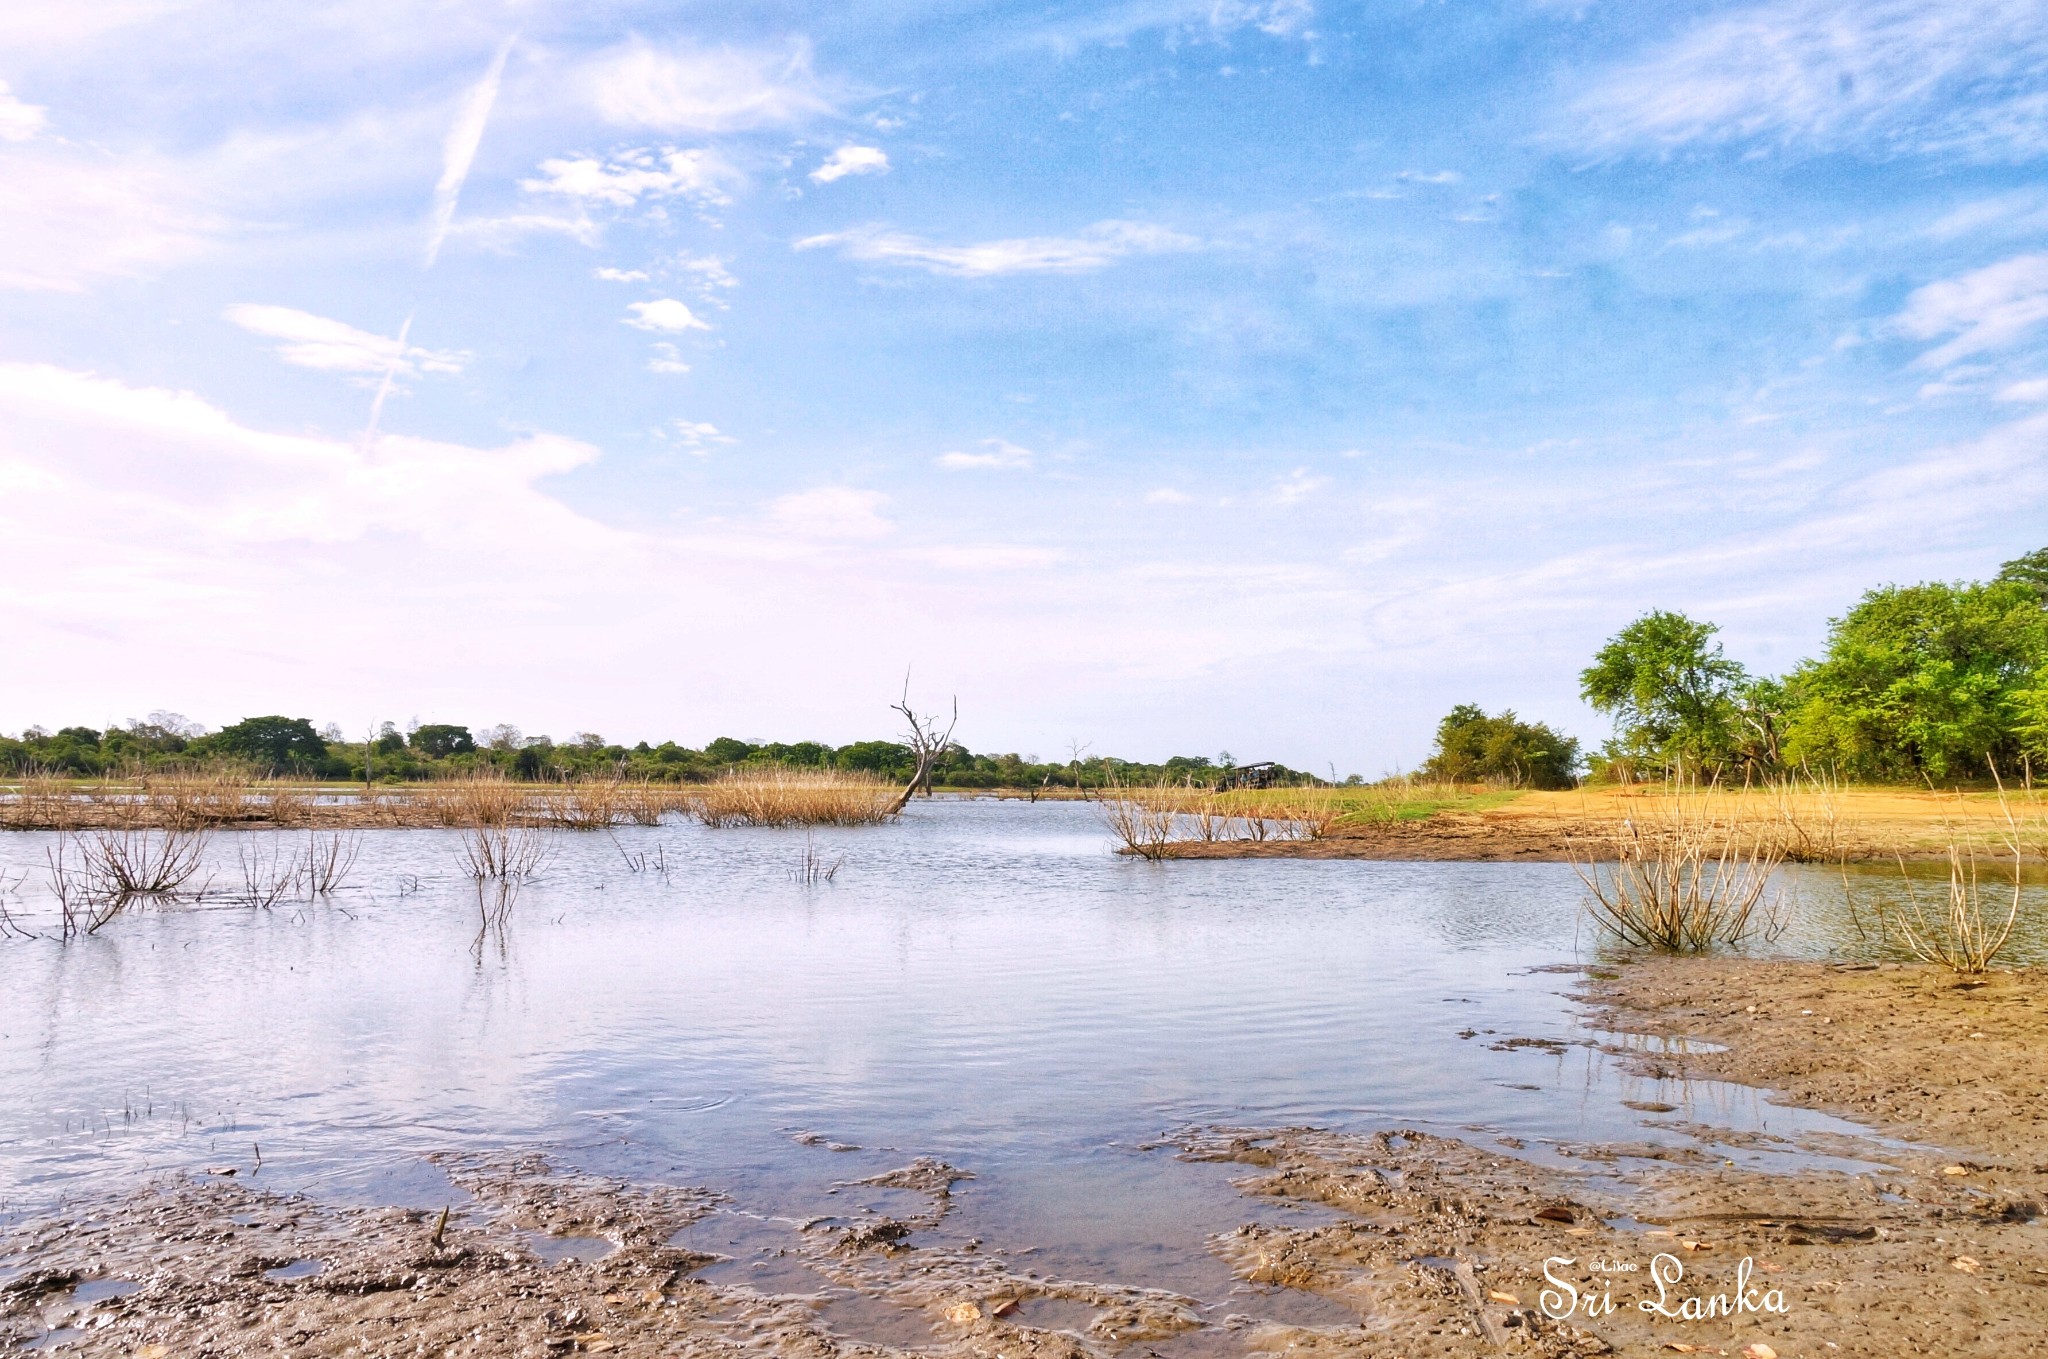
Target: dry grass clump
1688 873
780 796
1805 810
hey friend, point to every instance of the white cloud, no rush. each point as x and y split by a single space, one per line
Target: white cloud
1001 454
18 121
620 275
1879 76
311 341
667 359
502 233
459 149
664 313
1192 20
1989 308
75 217
2030 389
831 512
1167 495
706 277
624 178
1095 247
696 435
1299 485
851 160
1429 177
685 89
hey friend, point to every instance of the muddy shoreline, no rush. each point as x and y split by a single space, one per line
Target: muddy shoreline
1429 1245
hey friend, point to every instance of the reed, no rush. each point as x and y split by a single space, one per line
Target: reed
779 796
1686 874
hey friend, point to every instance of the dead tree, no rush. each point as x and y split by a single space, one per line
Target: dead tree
927 744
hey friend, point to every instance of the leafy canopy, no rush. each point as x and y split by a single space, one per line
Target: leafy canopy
1472 747
275 742
1670 690
1928 681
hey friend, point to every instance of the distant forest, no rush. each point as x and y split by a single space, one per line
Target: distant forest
277 745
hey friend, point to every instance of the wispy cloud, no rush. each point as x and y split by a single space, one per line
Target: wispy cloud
831 512
1298 486
998 454
1964 77
851 160
310 341
697 436
1987 309
625 177
1094 247
459 150
1167 495
19 121
691 89
667 359
664 313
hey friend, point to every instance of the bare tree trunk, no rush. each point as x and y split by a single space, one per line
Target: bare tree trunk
927 744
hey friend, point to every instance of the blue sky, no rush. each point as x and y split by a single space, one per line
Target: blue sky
1164 377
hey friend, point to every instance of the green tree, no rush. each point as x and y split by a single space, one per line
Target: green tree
1670 690
439 740
2030 570
1927 681
275 742
1472 747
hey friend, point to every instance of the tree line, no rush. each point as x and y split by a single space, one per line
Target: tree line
279 745
1938 682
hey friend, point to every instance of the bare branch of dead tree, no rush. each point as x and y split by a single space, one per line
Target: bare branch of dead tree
927 743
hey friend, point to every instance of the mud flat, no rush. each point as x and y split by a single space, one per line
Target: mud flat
1924 1238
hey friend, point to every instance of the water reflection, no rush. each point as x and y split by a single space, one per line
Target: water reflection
984 982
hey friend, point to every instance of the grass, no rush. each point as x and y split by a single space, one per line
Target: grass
778 796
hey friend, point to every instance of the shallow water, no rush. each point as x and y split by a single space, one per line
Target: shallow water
983 982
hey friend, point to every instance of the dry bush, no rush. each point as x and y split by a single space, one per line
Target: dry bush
1971 928
329 857
286 804
1144 819
141 863
504 853
191 800
271 870
775 795
584 804
42 801
645 803
1807 816
1688 873
479 800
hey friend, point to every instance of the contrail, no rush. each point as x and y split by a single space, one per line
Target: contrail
460 149
384 387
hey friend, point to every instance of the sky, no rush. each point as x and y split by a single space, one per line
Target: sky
1155 377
